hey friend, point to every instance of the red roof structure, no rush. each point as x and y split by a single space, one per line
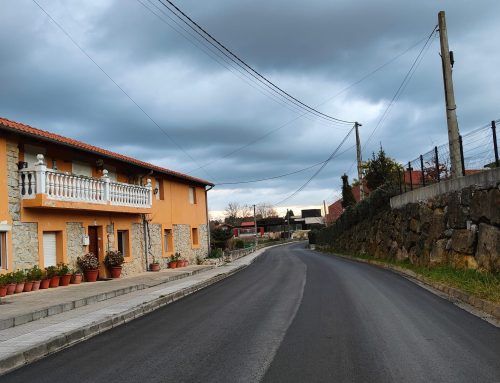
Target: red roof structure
16 127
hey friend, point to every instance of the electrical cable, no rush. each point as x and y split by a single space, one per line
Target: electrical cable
303 186
254 73
61 28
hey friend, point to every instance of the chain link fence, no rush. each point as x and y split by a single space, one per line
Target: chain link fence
478 150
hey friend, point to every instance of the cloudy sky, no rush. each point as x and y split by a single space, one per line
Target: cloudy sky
219 125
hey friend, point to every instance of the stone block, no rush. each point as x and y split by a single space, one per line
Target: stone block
485 206
437 225
488 247
439 253
457 214
463 241
463 261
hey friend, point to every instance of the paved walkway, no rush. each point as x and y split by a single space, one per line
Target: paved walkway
36 324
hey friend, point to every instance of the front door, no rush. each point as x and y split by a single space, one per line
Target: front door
93 241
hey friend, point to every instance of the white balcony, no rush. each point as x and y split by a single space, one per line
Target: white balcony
50 185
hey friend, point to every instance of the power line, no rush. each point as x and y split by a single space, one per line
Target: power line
317 171
282 175
254 73
61 28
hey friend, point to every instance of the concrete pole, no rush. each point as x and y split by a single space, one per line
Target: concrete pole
358 157
451 108
255 225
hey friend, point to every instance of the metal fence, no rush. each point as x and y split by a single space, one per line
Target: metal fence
478 149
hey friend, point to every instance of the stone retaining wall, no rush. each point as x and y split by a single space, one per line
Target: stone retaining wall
460 228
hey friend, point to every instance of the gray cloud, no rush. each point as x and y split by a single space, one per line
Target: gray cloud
312 49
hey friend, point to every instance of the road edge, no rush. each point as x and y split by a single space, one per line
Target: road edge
486 310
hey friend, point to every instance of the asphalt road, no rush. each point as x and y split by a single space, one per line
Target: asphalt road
292 316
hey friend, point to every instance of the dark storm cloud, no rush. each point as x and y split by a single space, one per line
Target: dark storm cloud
312 49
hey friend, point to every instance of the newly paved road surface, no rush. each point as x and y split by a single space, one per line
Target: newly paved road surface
292 316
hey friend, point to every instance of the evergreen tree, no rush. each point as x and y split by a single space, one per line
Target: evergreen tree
380 169
347 196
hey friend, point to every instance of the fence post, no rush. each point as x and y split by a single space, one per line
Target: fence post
411 180
400 185
437 163
422 169
461 154
495 145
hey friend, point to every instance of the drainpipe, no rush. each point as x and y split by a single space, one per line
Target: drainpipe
208 220
144 223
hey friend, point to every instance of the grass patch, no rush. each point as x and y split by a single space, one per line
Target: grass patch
480 284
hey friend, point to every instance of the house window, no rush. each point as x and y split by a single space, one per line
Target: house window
192 195
168 246
158 190
194 236
122 242
50 248
3 250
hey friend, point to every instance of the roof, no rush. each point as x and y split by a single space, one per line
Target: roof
27 130
335 210
247 223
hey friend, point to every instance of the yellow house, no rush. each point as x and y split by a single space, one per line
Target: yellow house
61 198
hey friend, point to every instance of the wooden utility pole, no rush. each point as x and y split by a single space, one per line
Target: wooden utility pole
451 108
358 156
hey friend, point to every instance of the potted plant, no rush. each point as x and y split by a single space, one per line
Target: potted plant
154 265
64 273
173 261
3 285
77 277
114 260
44 280
89 265
28 283
19 279
35 274
53 275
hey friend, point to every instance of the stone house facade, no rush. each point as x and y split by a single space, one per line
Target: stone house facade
61 198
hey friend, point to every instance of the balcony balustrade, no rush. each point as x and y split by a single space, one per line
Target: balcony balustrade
74 188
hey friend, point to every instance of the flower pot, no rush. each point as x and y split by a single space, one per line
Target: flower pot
54 281
154 267
11 287
44 283
65 280
36 285
3 291
115 271
91 275
77 279
19 288
172 264
28 286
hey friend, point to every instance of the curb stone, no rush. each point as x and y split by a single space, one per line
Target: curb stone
452 294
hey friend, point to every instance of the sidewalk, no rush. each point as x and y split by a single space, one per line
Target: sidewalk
34 325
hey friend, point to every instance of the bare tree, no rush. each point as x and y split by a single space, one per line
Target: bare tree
265 210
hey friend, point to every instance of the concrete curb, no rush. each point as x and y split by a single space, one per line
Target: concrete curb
451 293
91 299
38 350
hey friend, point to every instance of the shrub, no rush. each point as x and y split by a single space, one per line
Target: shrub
215 253
114 258
34 274
63 269
88 262
239 244
51 271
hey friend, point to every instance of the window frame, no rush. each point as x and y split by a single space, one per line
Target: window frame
4 250
195 237
124 243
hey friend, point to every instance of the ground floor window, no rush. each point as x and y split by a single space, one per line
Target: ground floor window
50 245
194 236
123 242
3 250
168 245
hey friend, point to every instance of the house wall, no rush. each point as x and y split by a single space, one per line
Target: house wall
25 240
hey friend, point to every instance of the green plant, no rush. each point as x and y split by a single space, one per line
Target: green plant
215 253
34 274
3 280
114 258
19 276
63 269
175 257
88 261
51 271
154 261
76 271
239 244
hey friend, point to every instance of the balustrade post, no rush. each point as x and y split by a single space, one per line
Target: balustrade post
40 169
106 192
150 192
